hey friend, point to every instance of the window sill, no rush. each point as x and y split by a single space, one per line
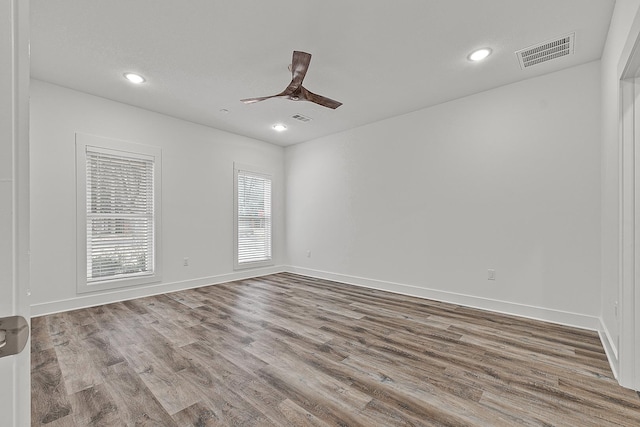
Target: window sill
105 285
255 264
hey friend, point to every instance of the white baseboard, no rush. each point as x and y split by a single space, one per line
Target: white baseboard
610 347
505 307
531 312
107 297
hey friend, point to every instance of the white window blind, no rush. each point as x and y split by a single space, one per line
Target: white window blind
120 215
253 217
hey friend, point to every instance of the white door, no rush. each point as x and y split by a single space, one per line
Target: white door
14 203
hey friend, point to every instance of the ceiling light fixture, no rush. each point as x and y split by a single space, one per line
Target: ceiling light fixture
480 54
134 78
279 127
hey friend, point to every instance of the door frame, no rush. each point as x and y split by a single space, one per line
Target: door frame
15 144
629 191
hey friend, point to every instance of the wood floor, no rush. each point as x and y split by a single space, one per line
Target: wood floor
288 350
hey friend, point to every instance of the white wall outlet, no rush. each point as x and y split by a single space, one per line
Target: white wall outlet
615 308
491 274
185 262
308 254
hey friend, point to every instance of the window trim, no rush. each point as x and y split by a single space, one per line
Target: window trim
123 148
254 170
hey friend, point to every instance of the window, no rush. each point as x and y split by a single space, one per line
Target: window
118 215
252 218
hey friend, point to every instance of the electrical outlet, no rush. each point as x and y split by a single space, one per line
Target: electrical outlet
615 308
491 274
185 262
308 254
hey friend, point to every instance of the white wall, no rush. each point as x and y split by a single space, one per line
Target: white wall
197 186
621 22
426 202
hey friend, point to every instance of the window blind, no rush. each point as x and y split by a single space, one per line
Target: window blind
254 217
120 216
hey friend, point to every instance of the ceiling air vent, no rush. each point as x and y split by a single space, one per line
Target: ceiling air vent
546 51
301 118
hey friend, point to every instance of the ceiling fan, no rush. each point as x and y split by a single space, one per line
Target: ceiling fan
295 91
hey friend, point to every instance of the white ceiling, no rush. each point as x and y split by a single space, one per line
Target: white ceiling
379 58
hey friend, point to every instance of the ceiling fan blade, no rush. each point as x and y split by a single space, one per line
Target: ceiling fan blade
287 93
254 100
299 66
318 99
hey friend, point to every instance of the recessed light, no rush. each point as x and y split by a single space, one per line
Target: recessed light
134 78
279 127
480 54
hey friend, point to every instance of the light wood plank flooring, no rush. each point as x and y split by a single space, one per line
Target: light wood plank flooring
288 350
